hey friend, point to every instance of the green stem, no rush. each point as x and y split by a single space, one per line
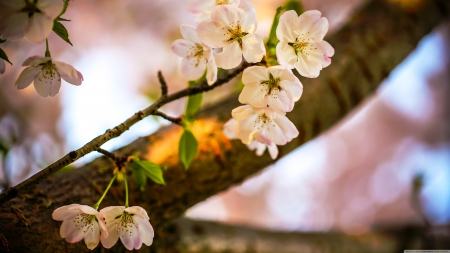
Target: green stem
104 193
47 51
126 190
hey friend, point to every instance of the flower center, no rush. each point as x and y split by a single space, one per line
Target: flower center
85 221
30 8
221 2
236 34
125 224
49 71
273 84
301 45
196 51
263 121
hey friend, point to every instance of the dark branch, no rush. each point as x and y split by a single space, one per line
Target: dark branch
169 118
163 84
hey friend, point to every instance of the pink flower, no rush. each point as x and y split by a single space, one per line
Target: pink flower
131 224
196 56
229 130
32 19
301 43
46 75
262 125
276 87
232 29
202 9
80 221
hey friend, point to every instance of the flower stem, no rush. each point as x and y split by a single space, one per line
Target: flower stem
104 193
47 51
126 190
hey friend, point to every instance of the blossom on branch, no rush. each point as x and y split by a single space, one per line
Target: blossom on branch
232 29
276 87
46 75
202 9
263 125
32 19
196 56
80 221
229 129
301 43
131 224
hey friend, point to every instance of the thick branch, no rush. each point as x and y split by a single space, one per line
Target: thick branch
372 43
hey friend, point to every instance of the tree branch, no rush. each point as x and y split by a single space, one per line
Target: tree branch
169 118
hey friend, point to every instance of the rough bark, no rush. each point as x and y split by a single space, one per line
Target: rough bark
376 39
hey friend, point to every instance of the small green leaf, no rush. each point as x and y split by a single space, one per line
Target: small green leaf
139 175
153 171
61 31
62 19
3 56
294 5
193 104
187 148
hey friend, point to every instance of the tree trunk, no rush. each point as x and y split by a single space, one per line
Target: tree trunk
375 40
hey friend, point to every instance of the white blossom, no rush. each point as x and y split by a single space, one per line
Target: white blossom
29 18
229 130
276 87
263 125
80 221
202 9
301 43
46 75
196 56
131 224
232 29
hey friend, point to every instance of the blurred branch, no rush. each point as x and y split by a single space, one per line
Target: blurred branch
372 43
94 144
169 118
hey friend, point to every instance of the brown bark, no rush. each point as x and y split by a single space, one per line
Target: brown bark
376 39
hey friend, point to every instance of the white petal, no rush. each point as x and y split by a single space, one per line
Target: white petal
67 228
51 8
36 60
288 28
212 34
201 9
282 72
146 232
211 71
229 129
260 148
253 48
47 86
113 236
74 235
254 96
92 237
246 128
242 112
327 51
309 66
275 135
12 25
193 68
280 102
230 57
2 66
138 211
294 89
190 33
312 25
84 209
182 48
249 23
286 55
128 237
27 76
69 73
226 15
64 212
254 75
110 213
273 151
38 28
287 126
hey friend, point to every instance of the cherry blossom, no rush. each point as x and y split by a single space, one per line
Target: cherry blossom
229 129
263 125
32 19
276 87
301 43
46 75
80 221
196 56
131 224
202 9
232 29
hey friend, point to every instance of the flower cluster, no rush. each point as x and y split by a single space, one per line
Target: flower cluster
130 224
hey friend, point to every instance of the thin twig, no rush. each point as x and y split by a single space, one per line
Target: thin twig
169 118
109 154
93 145
163 84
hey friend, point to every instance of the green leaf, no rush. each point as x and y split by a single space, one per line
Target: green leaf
4 56
139 175
294 5
62 19
66 4
61 31
144 169
193 104
187 148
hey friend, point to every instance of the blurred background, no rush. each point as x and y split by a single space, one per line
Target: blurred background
356 176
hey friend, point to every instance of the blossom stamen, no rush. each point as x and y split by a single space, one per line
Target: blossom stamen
221 2
273 84
236 34
196 51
